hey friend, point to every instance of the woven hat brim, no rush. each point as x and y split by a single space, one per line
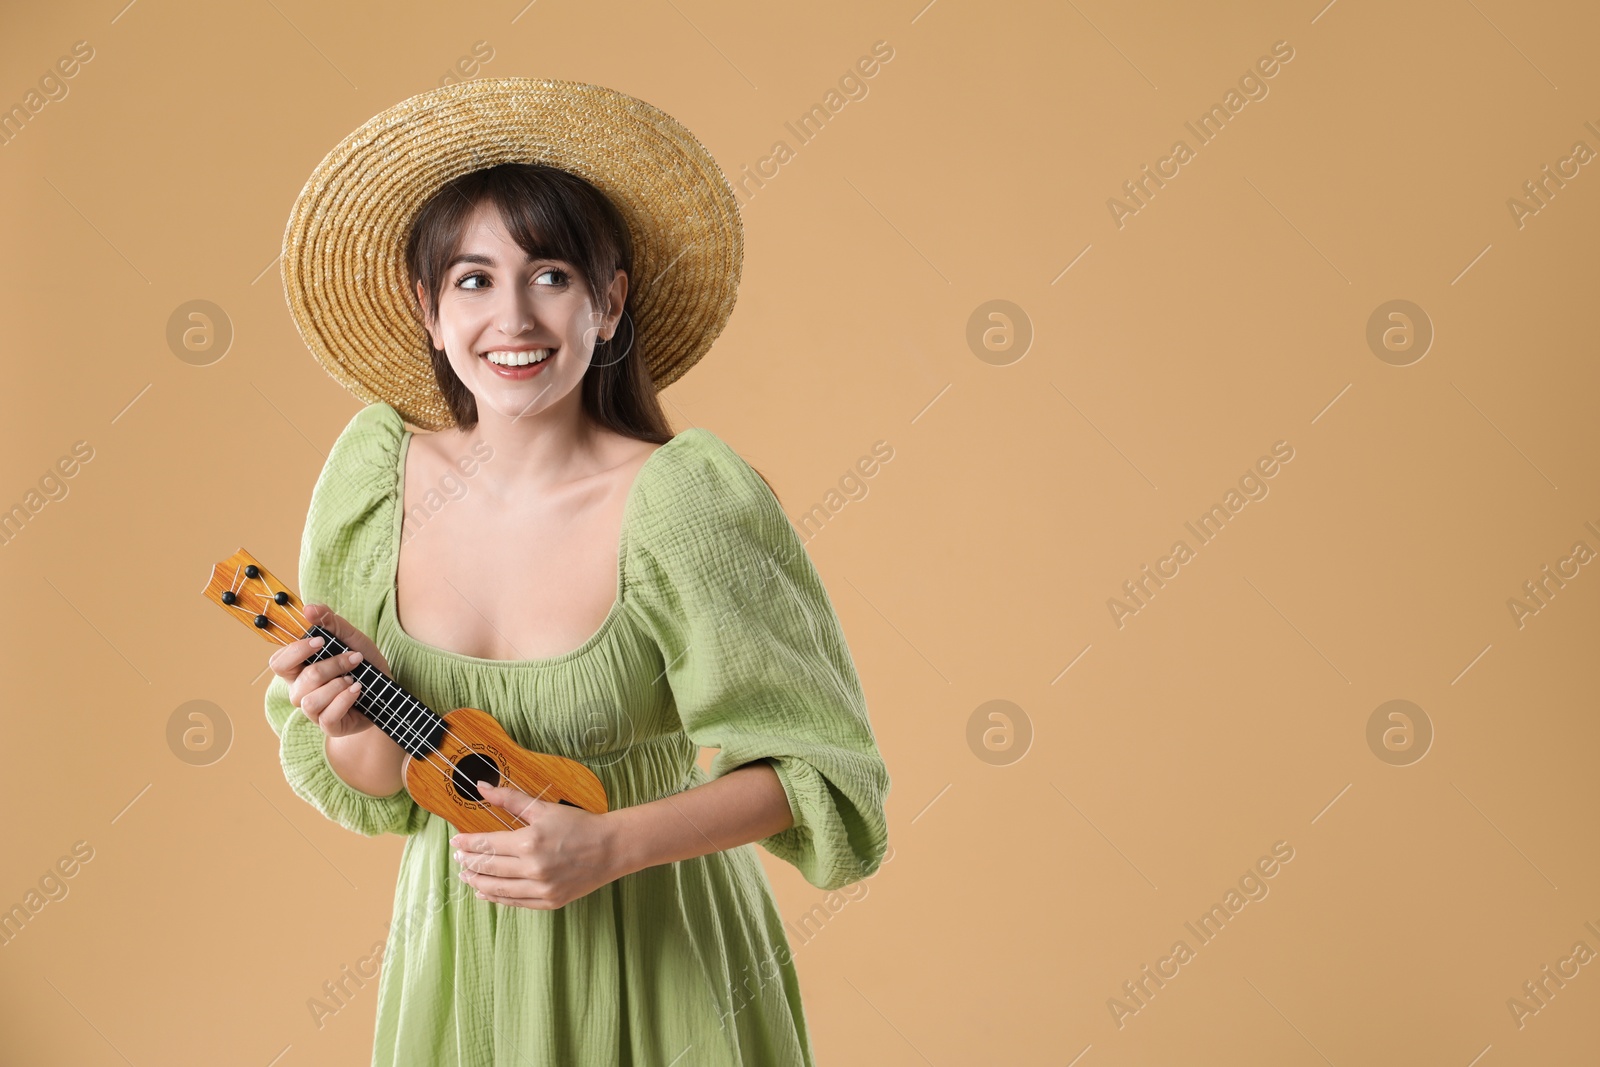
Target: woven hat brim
344 272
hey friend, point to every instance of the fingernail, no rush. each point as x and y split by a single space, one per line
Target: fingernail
354 686
462 876
316 642
456 856
355 657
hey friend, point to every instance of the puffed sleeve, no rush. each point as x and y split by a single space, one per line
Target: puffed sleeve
343 555
754 653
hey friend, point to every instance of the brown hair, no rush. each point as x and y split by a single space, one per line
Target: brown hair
551 214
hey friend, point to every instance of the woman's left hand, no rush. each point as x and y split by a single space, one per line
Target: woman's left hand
563 853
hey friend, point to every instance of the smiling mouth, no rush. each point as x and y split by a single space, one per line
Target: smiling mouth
502 358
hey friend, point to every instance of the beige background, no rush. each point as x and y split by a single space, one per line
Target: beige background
1166 756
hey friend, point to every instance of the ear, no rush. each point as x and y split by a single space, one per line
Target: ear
429 320
617 294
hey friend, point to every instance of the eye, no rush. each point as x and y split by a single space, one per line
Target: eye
480 280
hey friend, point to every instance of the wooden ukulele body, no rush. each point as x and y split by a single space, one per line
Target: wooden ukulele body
477 748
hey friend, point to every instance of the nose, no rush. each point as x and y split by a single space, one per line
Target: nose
515 313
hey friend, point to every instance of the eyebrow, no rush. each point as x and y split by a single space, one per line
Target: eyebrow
488 261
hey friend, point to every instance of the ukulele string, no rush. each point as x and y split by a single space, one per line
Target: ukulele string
408 730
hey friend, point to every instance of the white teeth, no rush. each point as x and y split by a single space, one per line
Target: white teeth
518 359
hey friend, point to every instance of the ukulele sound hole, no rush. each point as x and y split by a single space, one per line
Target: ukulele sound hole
470 770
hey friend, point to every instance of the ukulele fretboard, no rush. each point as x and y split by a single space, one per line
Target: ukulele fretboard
407 720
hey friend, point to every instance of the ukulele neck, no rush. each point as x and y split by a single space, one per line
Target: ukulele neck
407 721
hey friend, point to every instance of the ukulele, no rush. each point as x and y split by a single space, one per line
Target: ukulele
446 755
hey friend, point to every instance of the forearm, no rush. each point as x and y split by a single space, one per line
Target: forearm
744 805
368 762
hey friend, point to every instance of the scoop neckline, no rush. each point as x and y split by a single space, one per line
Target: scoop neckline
393 593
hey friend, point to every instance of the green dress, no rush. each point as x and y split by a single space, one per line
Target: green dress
722 635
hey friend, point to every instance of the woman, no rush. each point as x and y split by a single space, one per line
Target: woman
609 591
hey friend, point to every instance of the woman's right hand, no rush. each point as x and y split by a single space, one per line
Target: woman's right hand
325 690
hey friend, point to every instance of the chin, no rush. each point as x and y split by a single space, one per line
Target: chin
521 399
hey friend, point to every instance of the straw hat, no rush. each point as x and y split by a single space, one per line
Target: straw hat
344 272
